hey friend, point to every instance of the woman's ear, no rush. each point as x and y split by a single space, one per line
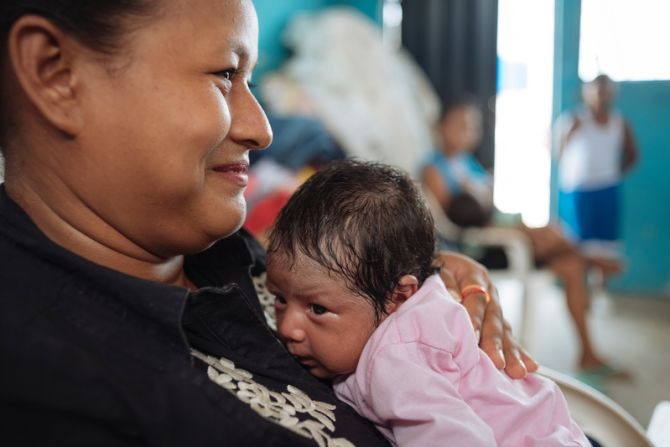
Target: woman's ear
405 287
39 54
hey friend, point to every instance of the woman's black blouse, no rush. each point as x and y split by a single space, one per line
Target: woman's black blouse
90 356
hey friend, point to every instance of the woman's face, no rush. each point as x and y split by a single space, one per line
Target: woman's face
461 129
169 123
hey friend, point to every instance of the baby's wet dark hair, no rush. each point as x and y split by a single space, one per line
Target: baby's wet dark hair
364 222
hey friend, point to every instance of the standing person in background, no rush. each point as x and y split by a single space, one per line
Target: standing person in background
596 148
464 189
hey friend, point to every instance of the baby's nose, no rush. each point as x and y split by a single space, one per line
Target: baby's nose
289 327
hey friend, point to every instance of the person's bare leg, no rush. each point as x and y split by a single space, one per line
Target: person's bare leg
571 270
607 266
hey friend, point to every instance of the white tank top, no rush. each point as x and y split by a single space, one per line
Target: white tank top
592 157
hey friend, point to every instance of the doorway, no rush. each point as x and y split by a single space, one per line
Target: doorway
523 109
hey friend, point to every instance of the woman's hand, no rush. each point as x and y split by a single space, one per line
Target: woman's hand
493 332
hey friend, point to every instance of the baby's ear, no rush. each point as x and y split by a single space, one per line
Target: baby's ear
406 287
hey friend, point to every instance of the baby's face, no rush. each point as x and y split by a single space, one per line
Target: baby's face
323 324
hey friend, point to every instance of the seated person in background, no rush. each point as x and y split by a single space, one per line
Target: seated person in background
452 173
465 191
358 301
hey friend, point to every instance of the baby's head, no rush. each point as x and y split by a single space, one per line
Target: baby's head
460 125
352 244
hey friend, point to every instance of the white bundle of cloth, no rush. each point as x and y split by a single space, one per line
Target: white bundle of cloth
373 98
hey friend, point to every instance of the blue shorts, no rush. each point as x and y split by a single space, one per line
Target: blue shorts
591 215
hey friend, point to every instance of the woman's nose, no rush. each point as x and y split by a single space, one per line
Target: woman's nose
249 124
289 327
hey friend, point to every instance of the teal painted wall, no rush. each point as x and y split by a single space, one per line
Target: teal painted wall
646 194
273 15
646 191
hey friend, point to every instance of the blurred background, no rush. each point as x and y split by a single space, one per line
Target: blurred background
366 78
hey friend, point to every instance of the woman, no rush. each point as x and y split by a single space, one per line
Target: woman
128 312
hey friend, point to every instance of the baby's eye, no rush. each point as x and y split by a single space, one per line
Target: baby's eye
279 301
318 309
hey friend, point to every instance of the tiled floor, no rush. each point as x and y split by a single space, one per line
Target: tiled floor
631 332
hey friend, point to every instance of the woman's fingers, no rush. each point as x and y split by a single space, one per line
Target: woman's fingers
450 282
528 360
493 332
458 272
476 305
492 335
518 361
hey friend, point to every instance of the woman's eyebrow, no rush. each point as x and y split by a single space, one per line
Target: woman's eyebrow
241 49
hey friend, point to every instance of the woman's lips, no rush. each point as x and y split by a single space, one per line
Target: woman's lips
237 173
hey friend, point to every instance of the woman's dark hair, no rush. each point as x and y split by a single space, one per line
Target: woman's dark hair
365 222
458 101
98 24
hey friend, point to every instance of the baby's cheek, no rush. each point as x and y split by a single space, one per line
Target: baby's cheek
347 359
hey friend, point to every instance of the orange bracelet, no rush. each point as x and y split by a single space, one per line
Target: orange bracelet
475 288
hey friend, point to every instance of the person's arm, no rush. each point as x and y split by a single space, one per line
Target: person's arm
437 187
630 153
494 333
421 405
478 182
567 130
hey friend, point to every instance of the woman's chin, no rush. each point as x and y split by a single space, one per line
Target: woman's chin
233 222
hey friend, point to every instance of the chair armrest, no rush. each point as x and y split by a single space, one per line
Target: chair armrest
598 415
515 244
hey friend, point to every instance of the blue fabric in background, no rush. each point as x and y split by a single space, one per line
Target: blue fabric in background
299 141
591 215
448 169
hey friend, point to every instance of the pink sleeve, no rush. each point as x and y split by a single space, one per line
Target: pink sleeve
421 405
521 413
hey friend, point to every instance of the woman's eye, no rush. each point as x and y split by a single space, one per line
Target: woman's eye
318 309
227 75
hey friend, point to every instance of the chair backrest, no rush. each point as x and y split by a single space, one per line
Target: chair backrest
444 227
599 416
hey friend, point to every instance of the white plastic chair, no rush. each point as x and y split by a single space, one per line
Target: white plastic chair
599 416
659 426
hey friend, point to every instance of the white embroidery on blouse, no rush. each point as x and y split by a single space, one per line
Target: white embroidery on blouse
266 299
292 409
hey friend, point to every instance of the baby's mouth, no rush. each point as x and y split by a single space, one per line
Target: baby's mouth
307 362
